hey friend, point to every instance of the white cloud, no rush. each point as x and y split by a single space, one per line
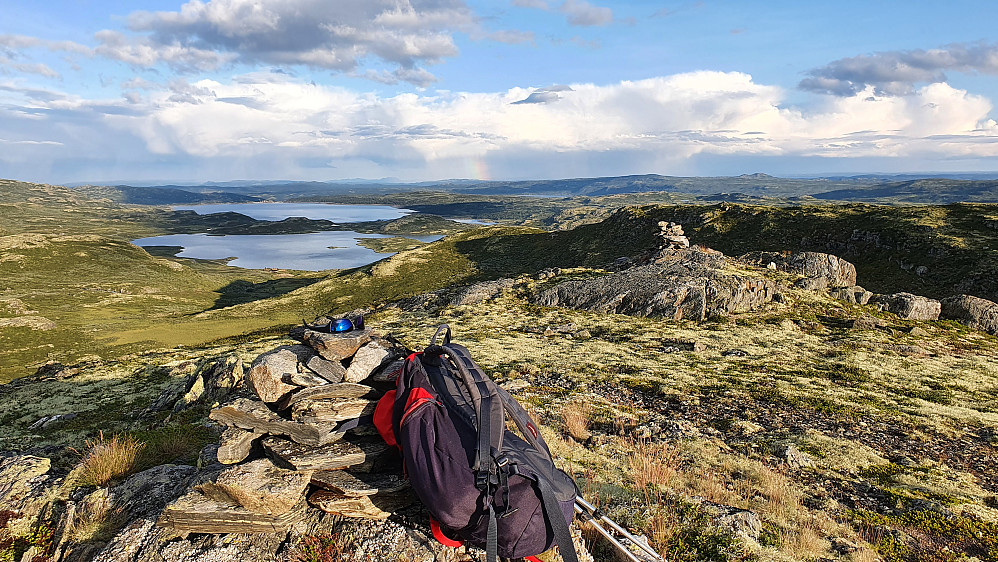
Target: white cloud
278 126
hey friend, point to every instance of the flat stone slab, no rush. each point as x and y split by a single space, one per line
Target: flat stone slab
332 410
337 346
339 390
235 445
257 417
364 507
195 512
305 378
349 483
388 372
341 454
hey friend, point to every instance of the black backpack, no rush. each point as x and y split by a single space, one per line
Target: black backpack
482 484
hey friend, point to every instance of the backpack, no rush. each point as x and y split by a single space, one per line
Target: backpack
482 484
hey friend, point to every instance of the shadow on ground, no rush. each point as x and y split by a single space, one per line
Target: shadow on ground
241 291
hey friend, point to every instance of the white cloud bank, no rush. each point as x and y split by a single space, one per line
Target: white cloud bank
268 125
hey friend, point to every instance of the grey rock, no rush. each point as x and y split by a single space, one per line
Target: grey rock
854 295
337 346
908 306
22 479
376 507
359 484
980 314
867 322
146 493
365 361
388 372
195 512
213 381
692 284
795 458
332 371
481 292
339 390
267 374
817 266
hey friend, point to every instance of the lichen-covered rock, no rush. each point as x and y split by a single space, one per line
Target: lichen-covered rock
257 417
332 371
22 479
334 456
331 410
909 306
235 445
978 313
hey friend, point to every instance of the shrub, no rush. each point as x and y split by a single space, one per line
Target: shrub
576 416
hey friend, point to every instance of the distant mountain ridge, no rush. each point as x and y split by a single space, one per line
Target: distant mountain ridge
746 187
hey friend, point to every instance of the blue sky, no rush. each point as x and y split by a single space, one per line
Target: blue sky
217 90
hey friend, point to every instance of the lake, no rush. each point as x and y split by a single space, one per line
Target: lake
314 251
314 211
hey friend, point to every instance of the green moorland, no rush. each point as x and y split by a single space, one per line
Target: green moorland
849 444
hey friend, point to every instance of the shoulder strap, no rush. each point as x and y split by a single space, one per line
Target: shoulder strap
488 406
523 422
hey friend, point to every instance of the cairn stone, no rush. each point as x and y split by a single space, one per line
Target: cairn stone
306 378
331 410
341 454
235 445
388 372
365 361
337 346
673 236
338 390
257 417
259 486
352 484
365 507
268 372
195 512
332 371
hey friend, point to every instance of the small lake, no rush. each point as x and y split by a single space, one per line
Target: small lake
314 211
314 251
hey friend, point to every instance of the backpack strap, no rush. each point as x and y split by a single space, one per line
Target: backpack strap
523 422
563 537
488 408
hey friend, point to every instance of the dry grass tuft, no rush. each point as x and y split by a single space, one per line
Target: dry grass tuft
108 458
654 465
97 518
577 415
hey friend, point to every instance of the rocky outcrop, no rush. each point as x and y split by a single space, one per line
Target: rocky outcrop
689 284
820 271
908 306
978 313
673 236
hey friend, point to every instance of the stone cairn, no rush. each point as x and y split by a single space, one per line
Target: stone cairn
672 235
283 443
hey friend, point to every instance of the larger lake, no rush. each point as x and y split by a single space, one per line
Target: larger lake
314 251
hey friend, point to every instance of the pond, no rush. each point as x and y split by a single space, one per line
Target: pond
313 251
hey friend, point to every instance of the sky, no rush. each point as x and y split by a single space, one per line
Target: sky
415 90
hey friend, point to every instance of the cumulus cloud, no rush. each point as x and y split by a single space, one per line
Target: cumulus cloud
279 126
339 36
898 72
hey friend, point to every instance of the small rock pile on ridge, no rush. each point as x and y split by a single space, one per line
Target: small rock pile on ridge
287 443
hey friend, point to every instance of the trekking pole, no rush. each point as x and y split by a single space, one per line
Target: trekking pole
588 518
597 514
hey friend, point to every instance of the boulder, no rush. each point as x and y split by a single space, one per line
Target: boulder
269 371
867 322
212 381
259 486
22 479
146 493
337 346
908 306
823 270
366 360
854 295
980 314
691 284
